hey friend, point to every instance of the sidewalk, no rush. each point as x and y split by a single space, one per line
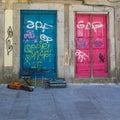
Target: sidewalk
75 102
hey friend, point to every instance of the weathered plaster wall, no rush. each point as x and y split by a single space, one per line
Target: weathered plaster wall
9 65
102 2
56 1
8 45
115 4
60 34
117 35
2 30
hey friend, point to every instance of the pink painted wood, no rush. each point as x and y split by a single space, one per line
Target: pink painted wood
99 45
91 45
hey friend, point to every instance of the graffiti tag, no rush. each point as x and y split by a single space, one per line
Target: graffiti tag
38 25
36 53
29 34
81 43
81 55
88 25
45 38
40 51
9 45
101 57
97 43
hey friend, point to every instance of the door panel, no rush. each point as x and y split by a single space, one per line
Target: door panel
82 40
91 45
99 45
38 42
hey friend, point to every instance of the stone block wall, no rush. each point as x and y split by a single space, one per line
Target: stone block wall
66 10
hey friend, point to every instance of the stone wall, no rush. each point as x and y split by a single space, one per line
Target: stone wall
66 10
2 28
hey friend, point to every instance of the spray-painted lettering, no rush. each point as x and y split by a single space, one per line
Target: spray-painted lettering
29 34
101 57
38 25
45 38
94 25
37 53
81 55
97 43
81 43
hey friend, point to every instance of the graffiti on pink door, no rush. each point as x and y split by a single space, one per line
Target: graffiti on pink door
91 45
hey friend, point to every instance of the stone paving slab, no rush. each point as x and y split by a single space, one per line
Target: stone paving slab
75 102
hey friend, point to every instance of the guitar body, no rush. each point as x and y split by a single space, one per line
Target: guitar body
15 85
19 86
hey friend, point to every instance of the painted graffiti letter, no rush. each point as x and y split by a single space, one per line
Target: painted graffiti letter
81 55
101 57
29 34
86 26
98 43
80 24
30 24
38 25
45 38
9 45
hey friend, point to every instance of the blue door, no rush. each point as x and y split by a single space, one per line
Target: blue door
38 43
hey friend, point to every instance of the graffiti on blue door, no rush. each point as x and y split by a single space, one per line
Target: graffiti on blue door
38 42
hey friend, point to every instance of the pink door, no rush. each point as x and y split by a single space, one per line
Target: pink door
91 45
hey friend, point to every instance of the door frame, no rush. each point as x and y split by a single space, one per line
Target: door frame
111 39
60 34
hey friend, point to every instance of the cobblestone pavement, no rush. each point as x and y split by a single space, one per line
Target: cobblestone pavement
75 102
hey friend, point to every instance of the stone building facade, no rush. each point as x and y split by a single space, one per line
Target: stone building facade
86 35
